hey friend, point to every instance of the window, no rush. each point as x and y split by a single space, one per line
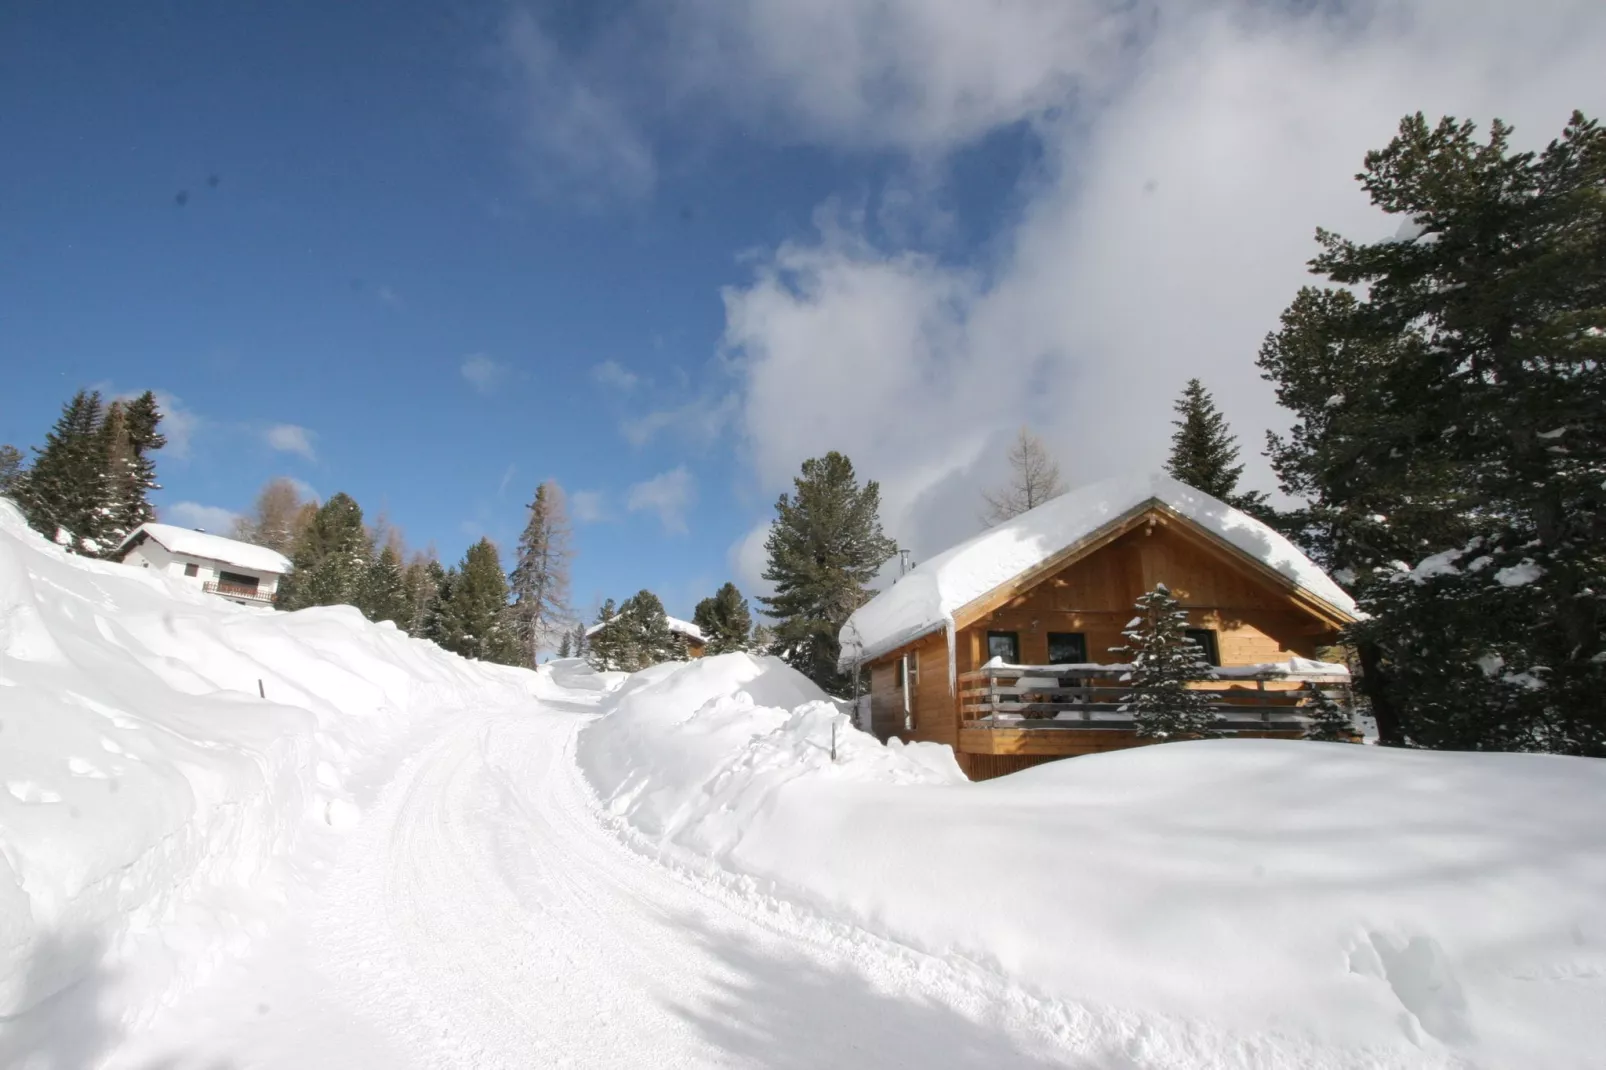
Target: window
234 579
1206 638
1004 645
1067 648
192 570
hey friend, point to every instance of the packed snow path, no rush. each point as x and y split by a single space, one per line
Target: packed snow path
485 915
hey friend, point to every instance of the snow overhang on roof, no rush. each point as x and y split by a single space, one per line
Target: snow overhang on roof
676 625
926 600
189 543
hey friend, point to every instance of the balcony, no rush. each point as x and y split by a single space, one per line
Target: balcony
1065 709
241 592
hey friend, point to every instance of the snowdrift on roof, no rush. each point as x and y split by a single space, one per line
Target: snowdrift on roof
214 548
676 625
149 794
926 599
1228 903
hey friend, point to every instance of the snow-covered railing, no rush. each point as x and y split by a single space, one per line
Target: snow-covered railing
1275 696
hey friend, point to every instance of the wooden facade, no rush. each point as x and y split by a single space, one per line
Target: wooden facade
1080 600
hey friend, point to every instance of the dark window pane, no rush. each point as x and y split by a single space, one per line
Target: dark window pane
1067 648
1004 645
191 570
234 579
1206 638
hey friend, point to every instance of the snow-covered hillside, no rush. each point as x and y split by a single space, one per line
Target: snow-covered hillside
1219 903
150 794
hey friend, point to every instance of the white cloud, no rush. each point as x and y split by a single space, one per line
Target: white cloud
507 477
615 375
1166 228
748 558
388 296
303 488
699 421
481 372
291 438
574 138
588 506
669 494
211 518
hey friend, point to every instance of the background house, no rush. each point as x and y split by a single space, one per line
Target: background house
1055 586
228 568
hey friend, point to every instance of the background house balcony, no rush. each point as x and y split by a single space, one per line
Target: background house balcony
241 592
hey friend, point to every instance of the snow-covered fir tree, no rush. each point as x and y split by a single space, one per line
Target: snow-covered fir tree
602 646
331 558
566 645
725 620
824 548
639 636
1329 721
64 493
11 469
382 593
1204 451
1448 443
1034 478
540 578
132 434
1164 661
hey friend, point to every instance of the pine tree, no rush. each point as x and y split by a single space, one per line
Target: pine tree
65 491
473 618
1204 451
601 645
579 644
824 548
382 593
1164 661
421 581
330 560
1329 722
565 645
540 579
438 622
11 470
1034 479
1452 415
641 634
134 477
725 620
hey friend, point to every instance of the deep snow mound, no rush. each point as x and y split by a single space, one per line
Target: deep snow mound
163 750
1223 903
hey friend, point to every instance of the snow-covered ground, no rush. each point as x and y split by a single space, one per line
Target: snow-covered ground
401 859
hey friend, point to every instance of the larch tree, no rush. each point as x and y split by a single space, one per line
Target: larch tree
330 558
277 517
725 620
1204 451
824 549
540 578
1164 661
1447 389
1034 478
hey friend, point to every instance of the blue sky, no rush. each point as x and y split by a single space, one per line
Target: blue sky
433 254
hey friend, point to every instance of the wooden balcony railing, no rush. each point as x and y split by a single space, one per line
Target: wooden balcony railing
241 591
1246 698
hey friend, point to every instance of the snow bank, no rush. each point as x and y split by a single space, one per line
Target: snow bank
925 600
149 792
1218 903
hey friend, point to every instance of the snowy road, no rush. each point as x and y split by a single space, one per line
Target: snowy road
485 915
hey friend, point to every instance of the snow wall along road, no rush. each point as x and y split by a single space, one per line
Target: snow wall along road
149 794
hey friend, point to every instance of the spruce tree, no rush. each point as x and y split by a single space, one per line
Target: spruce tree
566 645
1164 661
382 593
601 645
11 470
473 618
437 621
763 639
331 558
540 579
641 634
134 476
1450 415
824 548
725 620
1204 451
65 491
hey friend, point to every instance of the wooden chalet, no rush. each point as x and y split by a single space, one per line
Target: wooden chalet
1001 646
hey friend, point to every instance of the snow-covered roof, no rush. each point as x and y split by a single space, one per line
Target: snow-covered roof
190 543
681 627
926 599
